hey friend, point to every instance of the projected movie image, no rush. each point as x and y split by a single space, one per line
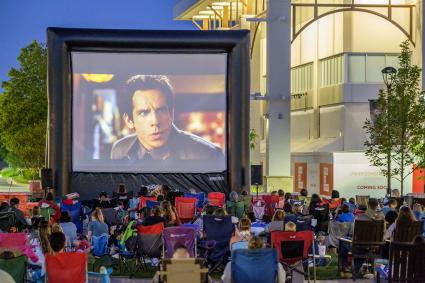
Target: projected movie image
148 112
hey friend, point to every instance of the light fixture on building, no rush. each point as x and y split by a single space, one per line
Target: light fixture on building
98 78
206 12
222 3
201 17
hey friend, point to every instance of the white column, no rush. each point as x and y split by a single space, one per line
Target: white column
278 87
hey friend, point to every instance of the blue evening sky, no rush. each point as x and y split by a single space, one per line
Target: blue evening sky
22 21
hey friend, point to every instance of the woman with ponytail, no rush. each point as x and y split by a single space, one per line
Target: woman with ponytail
97 225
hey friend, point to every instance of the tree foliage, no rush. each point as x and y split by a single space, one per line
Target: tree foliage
23 105
253 136
399 124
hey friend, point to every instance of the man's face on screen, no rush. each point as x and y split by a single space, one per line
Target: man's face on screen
152 118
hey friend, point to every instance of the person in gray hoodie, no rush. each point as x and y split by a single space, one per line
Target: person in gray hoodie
372 212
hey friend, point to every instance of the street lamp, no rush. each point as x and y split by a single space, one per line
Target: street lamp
388 75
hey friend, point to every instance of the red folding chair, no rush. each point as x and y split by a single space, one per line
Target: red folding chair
143 200
271 204
143 206
15 241
66 268
186 208
293 247
149 242
216 199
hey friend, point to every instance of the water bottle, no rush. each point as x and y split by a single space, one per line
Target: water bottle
105 278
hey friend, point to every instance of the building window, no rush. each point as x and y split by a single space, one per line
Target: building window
332 71
366 68
302 78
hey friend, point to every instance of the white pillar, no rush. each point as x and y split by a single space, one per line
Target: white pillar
278 154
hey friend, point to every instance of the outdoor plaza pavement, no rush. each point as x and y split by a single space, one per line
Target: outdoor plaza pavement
127 280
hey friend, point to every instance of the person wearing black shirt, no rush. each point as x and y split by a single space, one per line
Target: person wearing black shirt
155 218
21 223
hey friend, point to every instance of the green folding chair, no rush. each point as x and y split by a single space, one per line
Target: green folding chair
236 209
16 267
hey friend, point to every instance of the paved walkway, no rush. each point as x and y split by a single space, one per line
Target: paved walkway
127 280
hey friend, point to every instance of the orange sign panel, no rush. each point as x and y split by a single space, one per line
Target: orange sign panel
326 178
300 176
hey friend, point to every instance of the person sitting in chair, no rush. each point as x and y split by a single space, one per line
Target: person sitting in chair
180 252
20 222
57 242
254 243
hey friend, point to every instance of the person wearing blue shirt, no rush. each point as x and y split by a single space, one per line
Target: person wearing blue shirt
345 215
391 206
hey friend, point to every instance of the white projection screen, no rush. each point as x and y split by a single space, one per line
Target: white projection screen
149 112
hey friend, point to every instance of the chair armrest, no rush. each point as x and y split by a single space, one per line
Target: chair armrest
345 240
370 244
320 256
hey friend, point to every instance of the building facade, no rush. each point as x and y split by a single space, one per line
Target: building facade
309 111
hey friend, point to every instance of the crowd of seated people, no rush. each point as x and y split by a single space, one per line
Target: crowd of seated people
58 232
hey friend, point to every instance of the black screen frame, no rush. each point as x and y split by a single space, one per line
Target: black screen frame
63 41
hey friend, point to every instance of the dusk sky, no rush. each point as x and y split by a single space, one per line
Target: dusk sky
23 21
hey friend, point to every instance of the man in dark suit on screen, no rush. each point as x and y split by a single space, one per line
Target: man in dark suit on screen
156 140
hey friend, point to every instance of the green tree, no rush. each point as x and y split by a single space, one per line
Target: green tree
23 104
253 136
399 125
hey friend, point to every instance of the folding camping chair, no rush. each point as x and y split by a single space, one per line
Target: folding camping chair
236 209
7 221
16 267
183 270
127 248
216 199
133 207
200 198
304 223
99 245
75 211
241 245
142 206
14 241
112 217
151 204
186 208
271 204
321 214
293 247
259 208
179 235
251 266
66 268
220 230
149 242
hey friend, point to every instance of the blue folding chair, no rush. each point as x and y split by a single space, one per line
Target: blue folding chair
303 223
242 245
100 245
151 204
100 277
220 230
252 266
199 196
